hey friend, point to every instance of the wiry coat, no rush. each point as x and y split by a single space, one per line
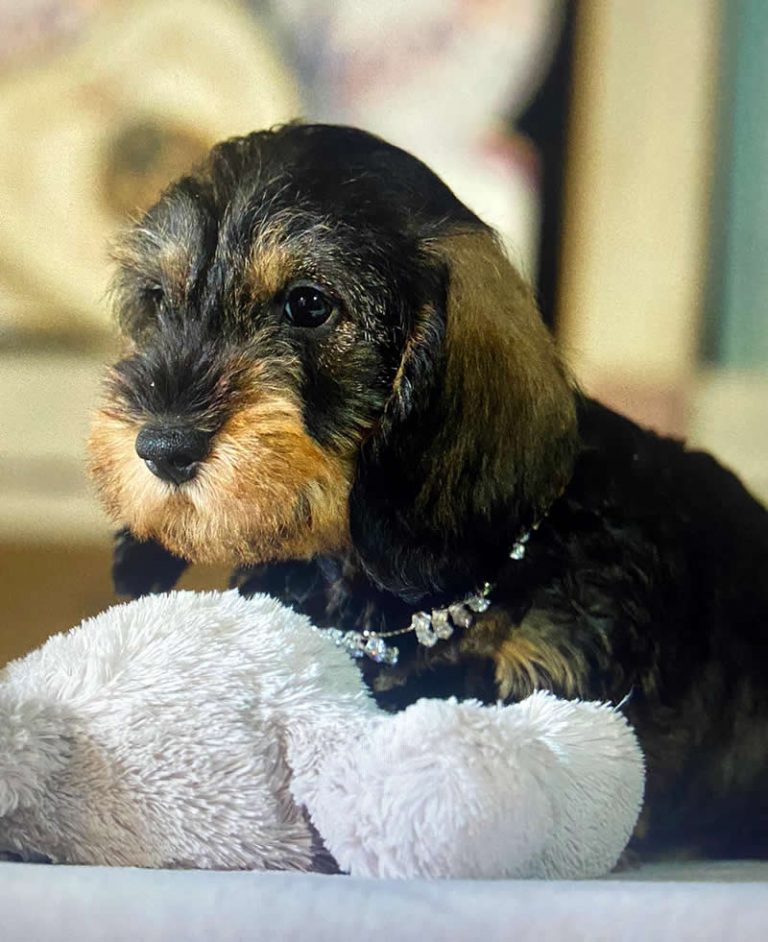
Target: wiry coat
384 461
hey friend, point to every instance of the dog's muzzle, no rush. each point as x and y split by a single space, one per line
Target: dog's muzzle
172 453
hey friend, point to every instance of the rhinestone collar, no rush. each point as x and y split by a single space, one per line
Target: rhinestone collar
429 627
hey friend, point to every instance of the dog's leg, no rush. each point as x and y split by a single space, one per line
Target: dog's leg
298 584
143 566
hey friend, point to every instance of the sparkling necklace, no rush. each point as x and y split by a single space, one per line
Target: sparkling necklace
429 627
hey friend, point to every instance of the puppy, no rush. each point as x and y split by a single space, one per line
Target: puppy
334 379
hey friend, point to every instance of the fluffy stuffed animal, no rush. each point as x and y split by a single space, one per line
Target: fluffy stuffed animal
207 730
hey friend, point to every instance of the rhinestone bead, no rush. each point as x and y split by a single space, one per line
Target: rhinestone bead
518 547
390 656
422 625
460 616
375 648
478 604
441 625
354 642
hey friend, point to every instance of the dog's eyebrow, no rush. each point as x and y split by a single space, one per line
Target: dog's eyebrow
271 265
285 243
166 249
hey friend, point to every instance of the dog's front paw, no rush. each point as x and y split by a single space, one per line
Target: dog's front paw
143 566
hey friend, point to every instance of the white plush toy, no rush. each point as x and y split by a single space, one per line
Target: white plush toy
207 730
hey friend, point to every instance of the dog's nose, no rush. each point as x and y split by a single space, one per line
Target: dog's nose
172 453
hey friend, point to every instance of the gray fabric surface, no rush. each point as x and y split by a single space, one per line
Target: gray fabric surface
671 902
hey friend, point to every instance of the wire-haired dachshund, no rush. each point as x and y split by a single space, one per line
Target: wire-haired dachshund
334 379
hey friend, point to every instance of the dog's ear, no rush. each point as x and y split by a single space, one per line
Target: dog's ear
479 435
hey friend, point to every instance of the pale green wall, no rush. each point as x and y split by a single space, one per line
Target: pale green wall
738 327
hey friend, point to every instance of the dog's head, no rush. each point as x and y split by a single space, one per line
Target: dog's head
328 352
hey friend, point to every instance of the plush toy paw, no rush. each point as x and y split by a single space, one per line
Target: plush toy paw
542 788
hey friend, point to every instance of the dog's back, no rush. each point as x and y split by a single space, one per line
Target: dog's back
690 545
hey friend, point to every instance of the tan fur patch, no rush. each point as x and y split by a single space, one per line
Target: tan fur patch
524 665
271 267
527 656
168 264
287 246
267 491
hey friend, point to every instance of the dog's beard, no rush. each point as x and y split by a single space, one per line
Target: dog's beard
266 491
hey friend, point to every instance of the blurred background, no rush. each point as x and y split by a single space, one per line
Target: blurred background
620 146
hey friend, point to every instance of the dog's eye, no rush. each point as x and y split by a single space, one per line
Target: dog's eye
307 306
